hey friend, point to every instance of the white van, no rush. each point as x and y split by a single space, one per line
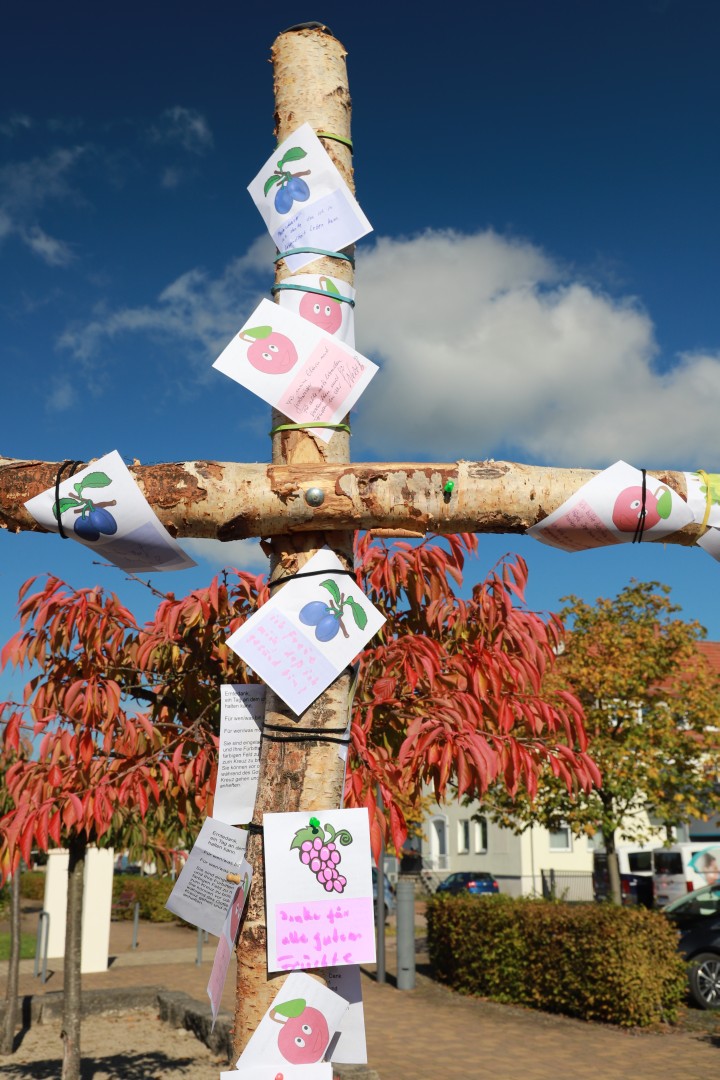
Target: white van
679 869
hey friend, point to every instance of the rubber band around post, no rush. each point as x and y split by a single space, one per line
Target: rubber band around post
337 138
329 735
305 427
308 573
315 251
708 498
640 527
58 479
307 288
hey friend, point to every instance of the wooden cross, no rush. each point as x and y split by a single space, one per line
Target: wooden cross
229 501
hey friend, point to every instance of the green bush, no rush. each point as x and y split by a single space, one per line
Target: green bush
150 892
594 961
32 885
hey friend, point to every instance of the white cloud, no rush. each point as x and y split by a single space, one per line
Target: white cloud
62 396
241 554
15 123
51 250
186 127
487 346
25 188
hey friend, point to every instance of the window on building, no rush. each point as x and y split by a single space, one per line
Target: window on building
560 839
480 838
464 837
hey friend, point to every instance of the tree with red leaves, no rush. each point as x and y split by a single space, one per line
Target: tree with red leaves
450 691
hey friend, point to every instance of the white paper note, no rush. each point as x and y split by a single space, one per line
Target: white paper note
321 1071
297 1028
304 200
318 883
241 718
202 893
228 938
312 628
349 1046
295 366
102 508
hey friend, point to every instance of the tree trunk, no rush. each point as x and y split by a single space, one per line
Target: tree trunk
11 997
310 85
230 501
613 864
72 981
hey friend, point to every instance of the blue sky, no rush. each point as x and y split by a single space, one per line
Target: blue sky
541 284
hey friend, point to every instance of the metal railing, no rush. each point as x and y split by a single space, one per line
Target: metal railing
573 886
41 945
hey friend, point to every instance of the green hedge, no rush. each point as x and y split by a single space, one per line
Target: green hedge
594 961
32 885
150 892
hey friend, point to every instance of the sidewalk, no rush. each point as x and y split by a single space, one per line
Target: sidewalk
428 1033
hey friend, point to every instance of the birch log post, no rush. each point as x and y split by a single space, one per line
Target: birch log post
229 501
310 86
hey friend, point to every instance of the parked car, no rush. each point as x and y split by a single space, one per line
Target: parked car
697 918
467 882
389 894
636 881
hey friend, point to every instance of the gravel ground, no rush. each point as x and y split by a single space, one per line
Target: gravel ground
151 1050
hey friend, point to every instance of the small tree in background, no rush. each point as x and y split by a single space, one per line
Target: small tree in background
650 699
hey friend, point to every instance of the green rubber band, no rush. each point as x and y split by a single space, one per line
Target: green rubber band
304 427
315 251
337 138
308 288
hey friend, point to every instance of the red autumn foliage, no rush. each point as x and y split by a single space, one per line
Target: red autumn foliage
450 691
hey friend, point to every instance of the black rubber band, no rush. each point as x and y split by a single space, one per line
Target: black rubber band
58 479
308 573
318 736
253 828
640 527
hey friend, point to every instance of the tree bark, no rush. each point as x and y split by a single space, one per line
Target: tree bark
310 85
229 501
613 865
72 980
11 997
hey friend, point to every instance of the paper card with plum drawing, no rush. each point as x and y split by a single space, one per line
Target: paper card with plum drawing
609 510
304 200
323 301
297 1028
102 508
312 628
318 889
295 366
228 938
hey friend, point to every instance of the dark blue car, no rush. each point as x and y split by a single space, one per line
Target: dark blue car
466 882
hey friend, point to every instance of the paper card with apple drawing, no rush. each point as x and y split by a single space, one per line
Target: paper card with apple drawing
228 938
296 366
616 507
323 301
242 708
312 628
298 1026
318 889
102 508
304 200
322 1070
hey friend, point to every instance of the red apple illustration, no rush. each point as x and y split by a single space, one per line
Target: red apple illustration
628 508
325 312
304 1036
270 352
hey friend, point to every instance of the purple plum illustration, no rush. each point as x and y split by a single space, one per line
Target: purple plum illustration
94 518
327 616
270 352
291 188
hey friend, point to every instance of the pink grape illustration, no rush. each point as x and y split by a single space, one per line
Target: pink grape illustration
291 188
325 313
318 849
270 352
94 519
327 617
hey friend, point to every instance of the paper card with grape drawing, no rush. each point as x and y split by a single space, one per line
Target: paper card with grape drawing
615 507
304 200
296 366
102 508
242 707
228 938
318 889
296 1030
324 301
312 628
